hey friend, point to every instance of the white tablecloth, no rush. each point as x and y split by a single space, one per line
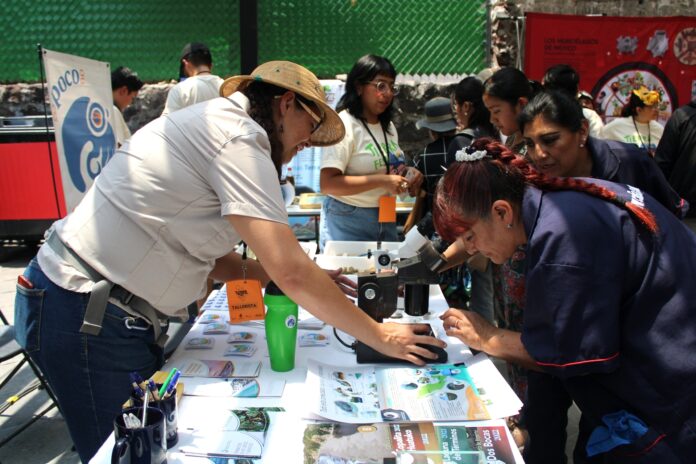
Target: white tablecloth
284 439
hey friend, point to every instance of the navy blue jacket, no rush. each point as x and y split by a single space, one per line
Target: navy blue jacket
628 164
610 309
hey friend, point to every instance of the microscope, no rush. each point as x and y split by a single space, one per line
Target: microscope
378 291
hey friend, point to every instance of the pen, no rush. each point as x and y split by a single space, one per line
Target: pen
163 389
134 421
135 377
153 390
172 385
138 391
145 408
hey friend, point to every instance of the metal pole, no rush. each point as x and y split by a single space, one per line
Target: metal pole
40 52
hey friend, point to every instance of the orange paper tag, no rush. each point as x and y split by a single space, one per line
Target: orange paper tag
387 209
245 300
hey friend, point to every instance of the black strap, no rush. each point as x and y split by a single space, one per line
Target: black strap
385 158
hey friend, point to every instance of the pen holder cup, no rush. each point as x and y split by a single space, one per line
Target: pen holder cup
169 407
142 445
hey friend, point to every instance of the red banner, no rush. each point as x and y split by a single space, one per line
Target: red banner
615 55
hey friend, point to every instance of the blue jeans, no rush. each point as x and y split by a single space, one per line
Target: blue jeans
88 374
341 221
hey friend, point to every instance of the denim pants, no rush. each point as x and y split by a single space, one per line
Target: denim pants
341 221
89 374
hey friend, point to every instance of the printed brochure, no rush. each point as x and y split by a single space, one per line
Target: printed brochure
366 394
397 443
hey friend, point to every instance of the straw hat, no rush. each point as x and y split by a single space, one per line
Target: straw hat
298 79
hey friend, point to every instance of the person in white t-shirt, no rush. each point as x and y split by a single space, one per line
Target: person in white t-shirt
125 86
368 163
162 216
199 84
638 124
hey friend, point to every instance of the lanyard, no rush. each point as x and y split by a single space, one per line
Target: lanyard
244 258
640 136
385 158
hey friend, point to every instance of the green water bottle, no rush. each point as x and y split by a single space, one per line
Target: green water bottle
281 328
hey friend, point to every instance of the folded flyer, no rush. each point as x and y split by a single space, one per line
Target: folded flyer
366 394
238 433
426 442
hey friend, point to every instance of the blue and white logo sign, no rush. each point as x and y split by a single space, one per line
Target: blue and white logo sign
81 104
88 141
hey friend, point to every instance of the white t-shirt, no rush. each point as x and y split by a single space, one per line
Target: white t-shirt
623 130
595 122
357 155
154 219
121 129
193 90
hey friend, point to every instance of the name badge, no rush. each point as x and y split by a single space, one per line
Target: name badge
245 300
387 209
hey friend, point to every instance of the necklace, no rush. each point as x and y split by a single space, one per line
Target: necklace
640 137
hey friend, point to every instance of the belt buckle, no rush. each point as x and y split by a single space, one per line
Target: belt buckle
127 298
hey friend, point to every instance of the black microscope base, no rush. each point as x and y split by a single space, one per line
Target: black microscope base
366 355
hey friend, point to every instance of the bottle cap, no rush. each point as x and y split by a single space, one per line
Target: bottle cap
272 289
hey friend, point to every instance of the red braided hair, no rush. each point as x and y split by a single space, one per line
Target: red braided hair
469 188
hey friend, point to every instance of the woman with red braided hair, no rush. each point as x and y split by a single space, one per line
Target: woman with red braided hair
609 300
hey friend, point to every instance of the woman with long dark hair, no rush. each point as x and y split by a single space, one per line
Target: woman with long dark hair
505 93
609 296
473 118
368 163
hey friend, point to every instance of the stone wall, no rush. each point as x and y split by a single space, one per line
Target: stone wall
25 100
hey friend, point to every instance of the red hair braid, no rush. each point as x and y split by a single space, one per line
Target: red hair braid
469 188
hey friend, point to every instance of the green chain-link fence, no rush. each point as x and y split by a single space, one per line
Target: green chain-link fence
145 35
419 36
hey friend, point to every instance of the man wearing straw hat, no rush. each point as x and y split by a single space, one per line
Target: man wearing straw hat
162 217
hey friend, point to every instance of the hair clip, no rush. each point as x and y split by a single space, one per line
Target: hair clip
469 154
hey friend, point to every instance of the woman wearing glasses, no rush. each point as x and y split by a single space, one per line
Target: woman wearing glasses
368 163
165 214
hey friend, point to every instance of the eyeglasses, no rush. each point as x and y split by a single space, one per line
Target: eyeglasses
383 87
317 119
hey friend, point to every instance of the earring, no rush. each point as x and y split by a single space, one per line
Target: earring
466 114
509 226
582 144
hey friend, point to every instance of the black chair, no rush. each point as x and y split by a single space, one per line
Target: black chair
9 349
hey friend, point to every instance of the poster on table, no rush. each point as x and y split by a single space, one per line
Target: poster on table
79 92
615 55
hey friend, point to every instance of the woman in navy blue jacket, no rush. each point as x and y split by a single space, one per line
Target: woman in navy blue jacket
556 135
609 298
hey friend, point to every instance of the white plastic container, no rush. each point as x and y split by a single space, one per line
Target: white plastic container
348 248
349 264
